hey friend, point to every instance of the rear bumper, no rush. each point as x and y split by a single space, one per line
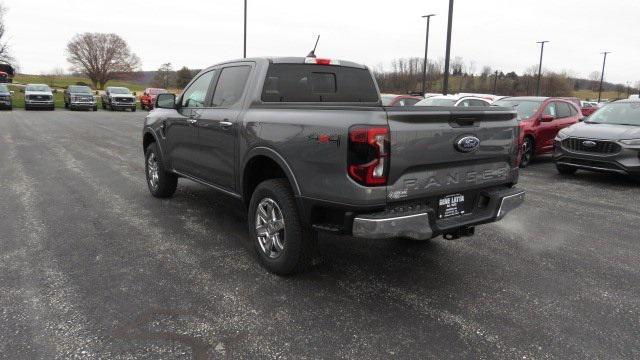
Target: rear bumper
423 225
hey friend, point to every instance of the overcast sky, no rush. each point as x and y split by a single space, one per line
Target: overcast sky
198 33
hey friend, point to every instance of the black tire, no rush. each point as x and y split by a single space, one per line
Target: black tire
299 243
133 109
527 152
566 170
52 108
104 106
27 108
166 182
66 105
95 108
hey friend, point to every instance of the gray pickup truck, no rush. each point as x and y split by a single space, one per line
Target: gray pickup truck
306 145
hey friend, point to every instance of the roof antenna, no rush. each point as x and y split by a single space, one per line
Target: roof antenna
312 54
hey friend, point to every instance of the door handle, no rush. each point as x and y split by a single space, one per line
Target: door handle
192 121
225 124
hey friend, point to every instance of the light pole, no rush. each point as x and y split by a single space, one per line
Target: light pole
447 56
426 50
604 62
540 66
244 51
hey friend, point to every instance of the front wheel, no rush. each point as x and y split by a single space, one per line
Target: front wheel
282 243
527 152
161 183
133 109
95 108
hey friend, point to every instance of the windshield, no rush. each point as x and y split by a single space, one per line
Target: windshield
617 113
80 89
119 91
436 102
43 88
4 89
157 91
524 108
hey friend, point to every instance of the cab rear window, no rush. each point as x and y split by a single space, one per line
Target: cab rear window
318 83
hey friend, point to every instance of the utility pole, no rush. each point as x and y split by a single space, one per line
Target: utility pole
604 62
426 50
447 57
244 52
495 83
540 66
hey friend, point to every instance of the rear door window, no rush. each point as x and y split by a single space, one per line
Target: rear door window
230 86
478 102
318 83
410 101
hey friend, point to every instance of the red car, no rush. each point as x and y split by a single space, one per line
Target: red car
148 98
399 100
588 108
540 120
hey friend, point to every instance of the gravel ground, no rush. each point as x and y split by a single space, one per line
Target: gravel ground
92 266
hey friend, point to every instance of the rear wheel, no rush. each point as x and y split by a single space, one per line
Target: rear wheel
161 183
281 241
566 170
527 152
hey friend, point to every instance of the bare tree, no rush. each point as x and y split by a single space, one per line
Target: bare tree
99 56
5 56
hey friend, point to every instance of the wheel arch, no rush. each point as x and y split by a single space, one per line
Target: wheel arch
259 158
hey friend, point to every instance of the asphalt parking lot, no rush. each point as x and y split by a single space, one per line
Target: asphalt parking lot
92 266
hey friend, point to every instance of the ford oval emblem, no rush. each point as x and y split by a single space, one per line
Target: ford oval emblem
467 144
589 143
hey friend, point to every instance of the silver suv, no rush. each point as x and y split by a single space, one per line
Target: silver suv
608 141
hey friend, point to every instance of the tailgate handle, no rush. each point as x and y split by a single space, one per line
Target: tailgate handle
459 121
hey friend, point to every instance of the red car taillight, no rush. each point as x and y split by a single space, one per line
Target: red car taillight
368 159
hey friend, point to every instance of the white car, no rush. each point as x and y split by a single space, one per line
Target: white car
454 100
38 96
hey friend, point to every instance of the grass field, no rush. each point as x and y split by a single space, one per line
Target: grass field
61 82
593 95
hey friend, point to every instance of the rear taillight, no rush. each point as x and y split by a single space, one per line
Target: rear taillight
368 160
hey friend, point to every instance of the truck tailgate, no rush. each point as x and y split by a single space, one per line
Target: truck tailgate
426 159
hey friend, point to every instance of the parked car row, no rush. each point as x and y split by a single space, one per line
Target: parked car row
80 97
580 134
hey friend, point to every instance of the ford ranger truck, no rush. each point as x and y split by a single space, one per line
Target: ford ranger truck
305 145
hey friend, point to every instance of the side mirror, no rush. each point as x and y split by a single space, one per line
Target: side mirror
134 93
166 101
12 92
547 118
